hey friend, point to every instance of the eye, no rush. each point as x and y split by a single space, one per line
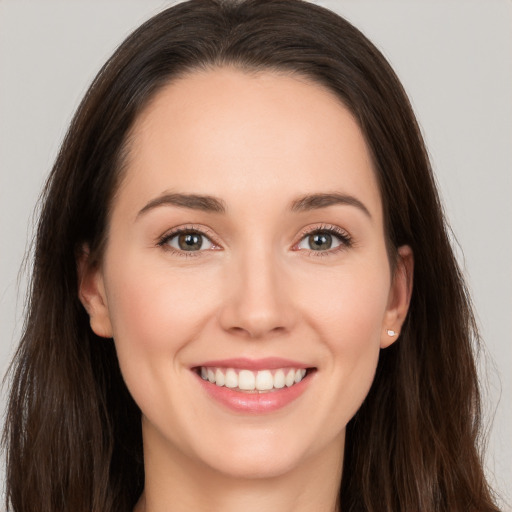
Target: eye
188 240
324 240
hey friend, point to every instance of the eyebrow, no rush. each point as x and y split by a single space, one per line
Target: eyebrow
192 201
212 204
317 201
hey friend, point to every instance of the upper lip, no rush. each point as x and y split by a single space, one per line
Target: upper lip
266 363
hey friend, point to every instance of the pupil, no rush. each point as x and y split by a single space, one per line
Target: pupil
190 242
320 241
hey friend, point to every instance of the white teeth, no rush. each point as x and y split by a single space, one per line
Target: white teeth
290 378
231 379
279 379
264 380
246 380
219 378
257 381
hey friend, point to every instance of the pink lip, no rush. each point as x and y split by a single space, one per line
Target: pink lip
255 403
267 363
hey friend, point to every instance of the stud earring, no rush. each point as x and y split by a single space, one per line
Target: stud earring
392 333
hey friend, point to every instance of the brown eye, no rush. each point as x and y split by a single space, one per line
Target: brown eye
323 240
190 241
320 241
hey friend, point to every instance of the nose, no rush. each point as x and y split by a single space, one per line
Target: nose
258 300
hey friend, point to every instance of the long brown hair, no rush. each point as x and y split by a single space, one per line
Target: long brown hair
73 433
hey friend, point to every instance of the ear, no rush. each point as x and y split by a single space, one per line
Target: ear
399 296
91 292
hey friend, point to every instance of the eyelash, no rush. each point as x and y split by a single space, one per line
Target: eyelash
190 229
344 238
346 241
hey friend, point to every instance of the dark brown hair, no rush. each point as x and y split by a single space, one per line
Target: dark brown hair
73 434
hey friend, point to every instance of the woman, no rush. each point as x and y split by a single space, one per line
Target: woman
243 292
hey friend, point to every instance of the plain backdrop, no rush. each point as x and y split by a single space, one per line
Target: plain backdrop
454 59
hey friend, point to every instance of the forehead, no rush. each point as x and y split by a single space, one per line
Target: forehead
225 132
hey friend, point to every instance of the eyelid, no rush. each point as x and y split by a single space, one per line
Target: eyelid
340 233
344 237
162 240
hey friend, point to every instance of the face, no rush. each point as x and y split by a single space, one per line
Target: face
245 280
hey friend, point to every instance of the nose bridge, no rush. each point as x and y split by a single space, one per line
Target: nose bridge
257 302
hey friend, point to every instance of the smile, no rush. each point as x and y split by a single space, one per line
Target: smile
244 380
254 386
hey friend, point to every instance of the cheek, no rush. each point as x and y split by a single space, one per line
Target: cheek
154 311
348 315
348 305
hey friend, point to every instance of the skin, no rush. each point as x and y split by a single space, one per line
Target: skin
258 143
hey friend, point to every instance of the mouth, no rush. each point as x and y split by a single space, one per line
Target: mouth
244 380
254 387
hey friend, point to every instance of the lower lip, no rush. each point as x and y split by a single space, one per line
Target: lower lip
255 403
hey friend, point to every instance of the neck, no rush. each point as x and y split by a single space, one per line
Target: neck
176 483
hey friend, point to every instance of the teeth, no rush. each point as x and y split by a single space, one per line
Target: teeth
220 379
290 378
248 380
264 380
231 379
279 381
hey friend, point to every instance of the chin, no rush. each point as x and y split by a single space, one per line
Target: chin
265 455
249 467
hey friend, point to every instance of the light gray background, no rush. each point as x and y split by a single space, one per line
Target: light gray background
455 60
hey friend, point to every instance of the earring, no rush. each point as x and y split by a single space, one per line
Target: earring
392 333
